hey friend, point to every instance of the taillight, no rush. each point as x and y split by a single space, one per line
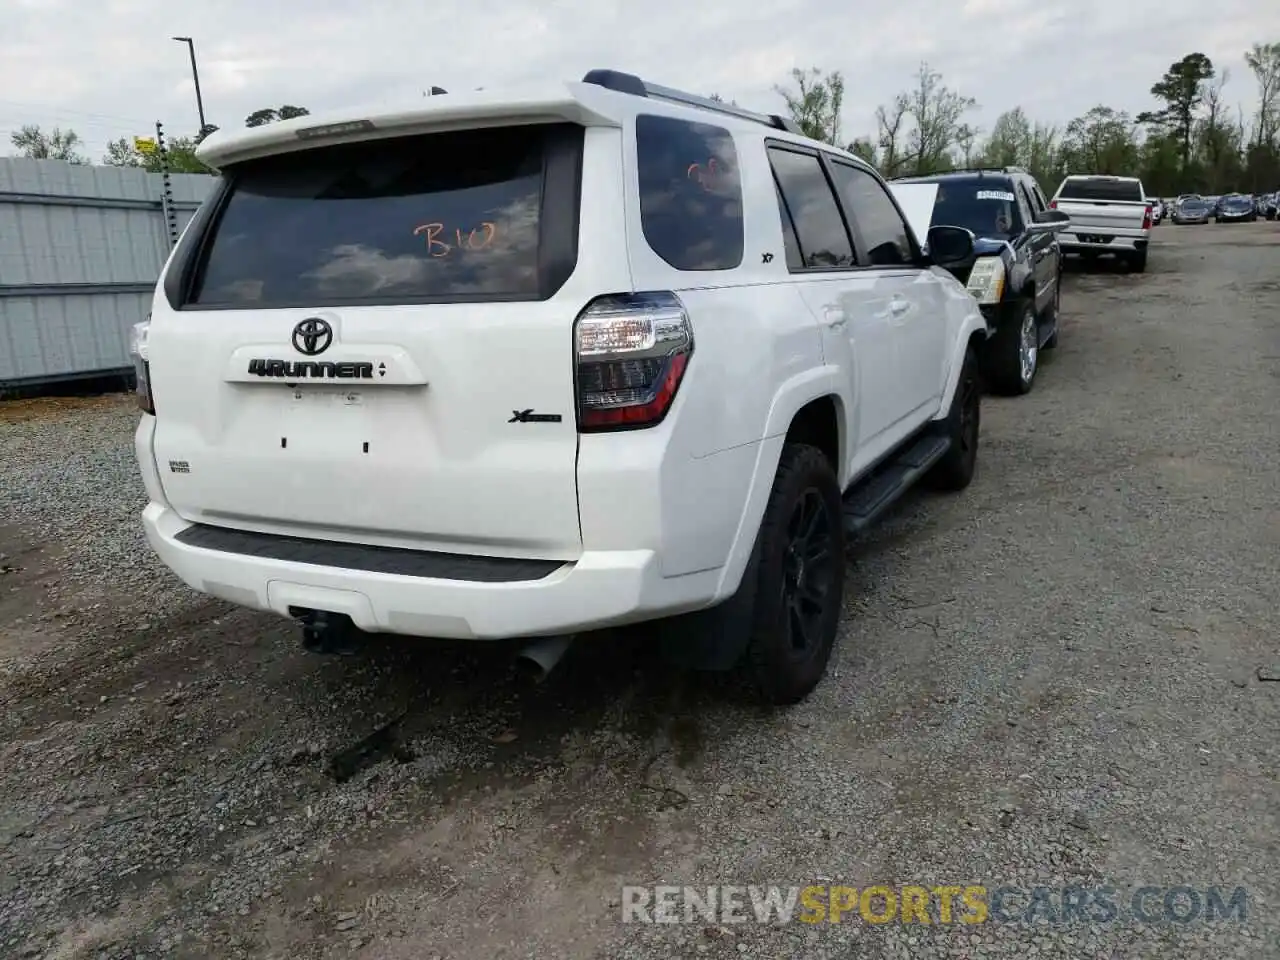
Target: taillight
1146 218
1053 204
631 351
141 364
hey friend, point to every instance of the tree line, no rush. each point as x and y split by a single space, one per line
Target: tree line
57 144
1194 142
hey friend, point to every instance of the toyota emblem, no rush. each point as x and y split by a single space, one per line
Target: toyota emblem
312 336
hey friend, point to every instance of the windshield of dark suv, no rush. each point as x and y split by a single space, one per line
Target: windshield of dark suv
989 208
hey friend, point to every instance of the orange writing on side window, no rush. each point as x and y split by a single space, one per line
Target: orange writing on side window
475 238
707 176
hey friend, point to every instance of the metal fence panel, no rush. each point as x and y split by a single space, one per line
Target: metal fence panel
81 248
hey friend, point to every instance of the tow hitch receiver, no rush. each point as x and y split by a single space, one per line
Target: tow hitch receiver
328 633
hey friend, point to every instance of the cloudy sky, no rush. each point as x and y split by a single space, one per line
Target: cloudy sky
108 68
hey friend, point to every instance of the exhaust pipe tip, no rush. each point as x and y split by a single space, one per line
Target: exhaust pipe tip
328 633
540 657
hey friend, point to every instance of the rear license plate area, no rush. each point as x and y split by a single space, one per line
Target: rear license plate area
325 397
327 420
1094 238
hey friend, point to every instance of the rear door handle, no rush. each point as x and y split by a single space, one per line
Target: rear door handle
898 306
834 317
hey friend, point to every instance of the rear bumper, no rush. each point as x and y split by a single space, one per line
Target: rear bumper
601 588
1114 243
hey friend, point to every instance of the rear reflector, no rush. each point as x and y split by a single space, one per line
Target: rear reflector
631 352
141 364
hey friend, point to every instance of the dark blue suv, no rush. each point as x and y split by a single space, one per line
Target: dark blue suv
1016 271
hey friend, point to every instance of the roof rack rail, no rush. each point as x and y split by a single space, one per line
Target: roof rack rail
632 84
1006 169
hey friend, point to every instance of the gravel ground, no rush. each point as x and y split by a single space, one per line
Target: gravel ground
1054 678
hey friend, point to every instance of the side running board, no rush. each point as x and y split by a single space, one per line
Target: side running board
870 497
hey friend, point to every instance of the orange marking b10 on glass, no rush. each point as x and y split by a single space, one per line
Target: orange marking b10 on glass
709 176
477 238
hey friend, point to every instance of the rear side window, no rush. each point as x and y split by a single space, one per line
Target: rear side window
1102 190
884 233
805 198
473 215
690 195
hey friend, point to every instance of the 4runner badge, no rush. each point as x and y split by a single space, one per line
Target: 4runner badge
314 369
528 416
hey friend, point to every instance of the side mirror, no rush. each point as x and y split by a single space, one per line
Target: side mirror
950 245
1050 221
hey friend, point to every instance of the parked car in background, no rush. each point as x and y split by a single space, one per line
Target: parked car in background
1269 205
1016 270
1192 209
1110 216
1157 209
435 395
1236 208
1214 202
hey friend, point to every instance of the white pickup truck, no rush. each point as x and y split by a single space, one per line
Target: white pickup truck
1109 215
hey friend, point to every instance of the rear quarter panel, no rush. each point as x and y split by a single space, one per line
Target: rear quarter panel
757 359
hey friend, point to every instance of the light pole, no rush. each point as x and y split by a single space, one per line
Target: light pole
195 75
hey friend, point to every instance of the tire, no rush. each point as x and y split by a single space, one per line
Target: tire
1013 354
1138 262
800 583
955 470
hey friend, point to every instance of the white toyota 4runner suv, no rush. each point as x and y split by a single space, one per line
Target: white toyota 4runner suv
526 365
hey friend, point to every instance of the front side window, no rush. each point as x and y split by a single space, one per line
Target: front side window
1032 195
1025 207
877 219
690 195
435 217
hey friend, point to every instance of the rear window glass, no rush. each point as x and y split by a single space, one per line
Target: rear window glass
1102 190
435 217
690 195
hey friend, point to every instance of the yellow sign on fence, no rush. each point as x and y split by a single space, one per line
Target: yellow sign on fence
144 144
